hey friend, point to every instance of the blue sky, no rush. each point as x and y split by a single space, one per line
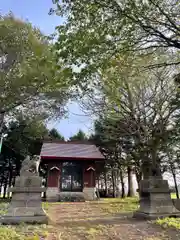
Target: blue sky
36 11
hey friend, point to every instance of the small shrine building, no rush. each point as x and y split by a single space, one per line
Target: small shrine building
71 169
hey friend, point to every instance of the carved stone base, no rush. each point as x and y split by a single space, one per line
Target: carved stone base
52 194
27 219
155 200
90 193
154 216
26 204
71 197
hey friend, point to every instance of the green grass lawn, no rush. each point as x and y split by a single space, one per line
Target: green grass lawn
119 205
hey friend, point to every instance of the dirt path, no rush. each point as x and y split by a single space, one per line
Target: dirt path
79 221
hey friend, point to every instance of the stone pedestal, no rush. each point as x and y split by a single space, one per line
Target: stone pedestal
90 193
26 204
71 197
155 200
52 194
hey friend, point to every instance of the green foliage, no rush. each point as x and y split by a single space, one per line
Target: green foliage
23 134
45 205
114 43
138 111
79 136
3 208
8 233
33 238
23 231
94 31
29 76
54 134
169 223
94 232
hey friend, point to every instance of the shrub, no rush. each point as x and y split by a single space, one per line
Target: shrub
169 222
3 208
8 233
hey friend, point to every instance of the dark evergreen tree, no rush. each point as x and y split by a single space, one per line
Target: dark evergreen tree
79 136
54 134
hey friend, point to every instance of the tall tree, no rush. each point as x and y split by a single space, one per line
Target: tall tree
79 136
138 109
30 78
111 148
10 162
94 31
54 134
24 135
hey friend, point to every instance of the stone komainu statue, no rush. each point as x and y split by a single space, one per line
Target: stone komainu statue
30 164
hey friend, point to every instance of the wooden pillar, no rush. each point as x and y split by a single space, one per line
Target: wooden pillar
53 182
89 181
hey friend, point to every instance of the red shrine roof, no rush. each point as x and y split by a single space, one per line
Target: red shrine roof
70 150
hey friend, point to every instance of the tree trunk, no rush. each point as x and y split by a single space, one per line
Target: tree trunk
1 184
2 114
101 181
113 183
98 182
176 186
5 187
13 181
138 177
10 181
175 181
130 182
122 184
105 182
117 184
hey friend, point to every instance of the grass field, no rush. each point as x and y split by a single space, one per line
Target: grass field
118 205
